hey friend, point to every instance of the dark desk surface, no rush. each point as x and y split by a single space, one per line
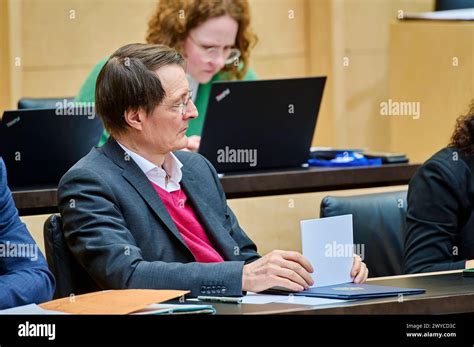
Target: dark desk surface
43 200
446 293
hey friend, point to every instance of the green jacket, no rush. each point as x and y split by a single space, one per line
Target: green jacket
87 94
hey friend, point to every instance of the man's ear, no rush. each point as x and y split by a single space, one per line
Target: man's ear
134 118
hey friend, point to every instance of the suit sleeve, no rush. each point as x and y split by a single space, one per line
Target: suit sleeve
24 276
101 241
435 202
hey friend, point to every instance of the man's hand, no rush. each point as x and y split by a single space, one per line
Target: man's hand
359 271
289 270
285 269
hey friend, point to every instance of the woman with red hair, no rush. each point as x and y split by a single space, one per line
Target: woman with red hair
215 38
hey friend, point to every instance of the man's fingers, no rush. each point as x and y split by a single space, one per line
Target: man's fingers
286 283
361 275
366 274
356 266
290 275
298 258
297 268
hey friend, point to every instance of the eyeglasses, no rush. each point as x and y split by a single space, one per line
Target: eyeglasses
183 106
231 55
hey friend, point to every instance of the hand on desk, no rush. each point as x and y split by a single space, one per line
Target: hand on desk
285 269
290 270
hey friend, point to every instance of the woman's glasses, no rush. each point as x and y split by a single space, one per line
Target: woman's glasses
231 54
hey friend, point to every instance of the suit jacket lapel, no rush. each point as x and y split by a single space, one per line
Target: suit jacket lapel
220 238
136 177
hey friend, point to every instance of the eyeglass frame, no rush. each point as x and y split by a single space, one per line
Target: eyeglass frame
210 50
183 105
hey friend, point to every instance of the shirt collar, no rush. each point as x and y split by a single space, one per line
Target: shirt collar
171 167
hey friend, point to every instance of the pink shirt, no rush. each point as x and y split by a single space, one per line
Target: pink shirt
188 225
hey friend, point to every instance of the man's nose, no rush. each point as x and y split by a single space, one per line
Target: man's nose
191 110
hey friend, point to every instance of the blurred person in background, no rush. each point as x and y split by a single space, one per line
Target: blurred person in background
215 39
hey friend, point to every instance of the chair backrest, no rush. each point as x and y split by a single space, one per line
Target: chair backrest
378 225
24 103
71 278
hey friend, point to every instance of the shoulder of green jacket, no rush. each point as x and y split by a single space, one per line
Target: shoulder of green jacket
87 91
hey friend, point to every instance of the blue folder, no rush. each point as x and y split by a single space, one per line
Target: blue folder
352 291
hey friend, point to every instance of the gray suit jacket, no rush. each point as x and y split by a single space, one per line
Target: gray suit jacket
120 232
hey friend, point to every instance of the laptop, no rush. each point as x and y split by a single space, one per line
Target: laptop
260 125
38 146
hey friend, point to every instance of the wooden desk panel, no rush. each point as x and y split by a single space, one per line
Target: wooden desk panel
42 201
431 63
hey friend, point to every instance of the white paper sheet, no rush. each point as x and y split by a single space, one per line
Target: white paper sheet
261 299
28 309
328 244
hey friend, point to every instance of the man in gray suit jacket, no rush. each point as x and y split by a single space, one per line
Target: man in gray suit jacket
112 202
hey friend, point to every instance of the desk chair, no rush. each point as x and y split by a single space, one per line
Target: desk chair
378 224
71 278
